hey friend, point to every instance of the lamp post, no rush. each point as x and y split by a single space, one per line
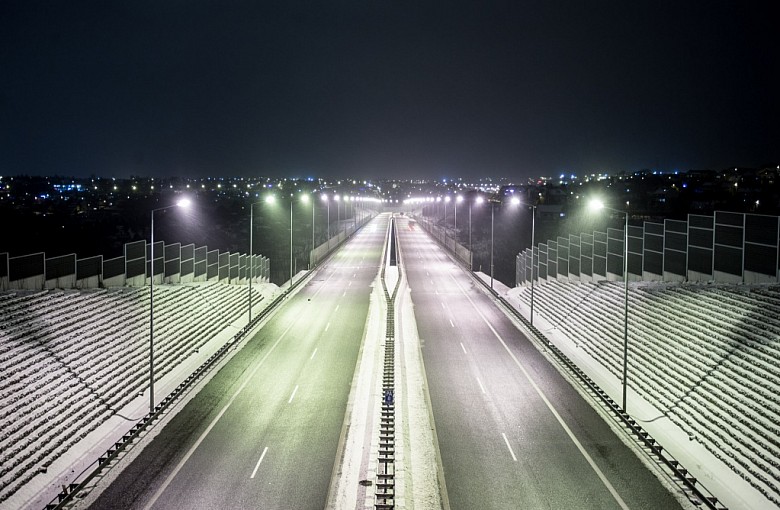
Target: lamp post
291 240
325 199
478 200
493 202
446 201
251 254
305 200
598 205
351 201
458 199
492 222
181 203
533 233
338 212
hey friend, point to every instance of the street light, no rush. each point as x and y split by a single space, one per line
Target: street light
338 211
458 199
351 202
305 200
479 200
251 254
533 245
597 205
325 199
446 201
184 202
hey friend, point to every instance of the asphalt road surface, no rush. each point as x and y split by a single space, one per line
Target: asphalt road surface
264 432
513 433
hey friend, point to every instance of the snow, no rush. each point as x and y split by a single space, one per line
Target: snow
716 476
356 458
82 457
417 436
417 468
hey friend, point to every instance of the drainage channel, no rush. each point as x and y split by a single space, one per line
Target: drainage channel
385 476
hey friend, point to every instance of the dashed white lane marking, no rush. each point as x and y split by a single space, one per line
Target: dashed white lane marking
327 326
259 461
293 394
452 323
337 308
313 353
344 294
549 405
442 305
349 284
464 349
481 387
510 447
206 432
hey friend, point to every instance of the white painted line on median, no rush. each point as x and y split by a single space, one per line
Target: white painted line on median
313 353
327 326
481 387
464 349
206 432
549 405
258 462
293 394
510 447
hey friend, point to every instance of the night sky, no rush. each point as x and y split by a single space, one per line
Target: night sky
385 89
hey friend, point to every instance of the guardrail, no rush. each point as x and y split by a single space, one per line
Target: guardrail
385 484
641 436
69 491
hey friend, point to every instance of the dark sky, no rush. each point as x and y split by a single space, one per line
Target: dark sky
385 88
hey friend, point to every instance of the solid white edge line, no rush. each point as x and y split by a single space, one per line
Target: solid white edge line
313 353
206 432
549 405
462 347
293 394
258 462
510 447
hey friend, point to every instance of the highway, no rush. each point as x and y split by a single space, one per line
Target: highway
513 433
264 432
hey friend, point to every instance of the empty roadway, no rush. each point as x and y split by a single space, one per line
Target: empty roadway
513 433
264 432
